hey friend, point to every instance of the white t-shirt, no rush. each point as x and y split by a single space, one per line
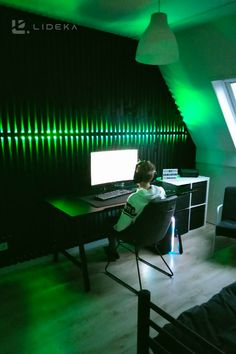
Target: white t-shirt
135 204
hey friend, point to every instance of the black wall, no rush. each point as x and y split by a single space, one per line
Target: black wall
66 93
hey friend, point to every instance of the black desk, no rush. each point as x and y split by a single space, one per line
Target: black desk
78 221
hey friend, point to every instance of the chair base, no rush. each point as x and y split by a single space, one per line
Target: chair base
137 258
121 282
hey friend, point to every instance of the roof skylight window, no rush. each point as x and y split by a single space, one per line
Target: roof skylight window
226 94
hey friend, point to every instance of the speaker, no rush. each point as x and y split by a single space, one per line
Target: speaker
191 172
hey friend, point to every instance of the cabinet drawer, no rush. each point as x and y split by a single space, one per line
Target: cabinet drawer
182 202
199 193
181 221
197 217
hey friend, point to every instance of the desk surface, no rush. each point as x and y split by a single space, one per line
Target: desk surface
185 180
74 206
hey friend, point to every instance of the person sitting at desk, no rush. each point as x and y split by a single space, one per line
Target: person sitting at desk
144 174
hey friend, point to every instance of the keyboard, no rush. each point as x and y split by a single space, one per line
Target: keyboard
113 194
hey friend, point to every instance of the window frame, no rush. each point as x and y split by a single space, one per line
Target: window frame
226 95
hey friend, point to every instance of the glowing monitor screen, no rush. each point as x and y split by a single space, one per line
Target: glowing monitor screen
113 166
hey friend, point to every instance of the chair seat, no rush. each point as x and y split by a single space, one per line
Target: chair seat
226 228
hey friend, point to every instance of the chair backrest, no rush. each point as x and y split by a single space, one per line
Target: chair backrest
152 224
229 204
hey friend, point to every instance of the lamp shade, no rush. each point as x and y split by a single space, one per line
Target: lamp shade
158 45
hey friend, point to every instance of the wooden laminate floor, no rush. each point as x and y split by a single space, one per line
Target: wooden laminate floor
44 310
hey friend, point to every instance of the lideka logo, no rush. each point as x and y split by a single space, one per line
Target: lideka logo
19 27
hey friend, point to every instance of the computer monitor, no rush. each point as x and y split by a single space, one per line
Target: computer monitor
112 166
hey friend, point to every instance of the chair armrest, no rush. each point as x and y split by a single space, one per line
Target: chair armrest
218 213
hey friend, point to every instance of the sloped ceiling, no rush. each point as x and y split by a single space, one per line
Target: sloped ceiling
128 18
208 52
206 35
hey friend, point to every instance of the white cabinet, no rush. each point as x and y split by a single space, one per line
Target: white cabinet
191 206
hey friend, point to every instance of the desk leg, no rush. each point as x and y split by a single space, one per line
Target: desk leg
180 244
82 263
84 267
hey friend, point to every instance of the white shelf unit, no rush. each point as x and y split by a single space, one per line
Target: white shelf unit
191 207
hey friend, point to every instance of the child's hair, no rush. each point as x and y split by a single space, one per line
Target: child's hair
144 171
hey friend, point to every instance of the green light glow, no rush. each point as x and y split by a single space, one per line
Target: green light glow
48 120
16 140
72 146
119 139
37 146
151 139
127 138
106 140
14 120
42 126
96 126
3 147
8 123
102 141
66 147
71 125
82 126
66 135
29 127
82 143
92 127
23 148
92 142
1 127
151 127
77 143
35 121
30 148
42 145
87 142
87 124
60 146
65 124
106 127
139 128
54 125
123 127
127 127
9 140
76 125
55 157
144 132
185 95
49 146
101 126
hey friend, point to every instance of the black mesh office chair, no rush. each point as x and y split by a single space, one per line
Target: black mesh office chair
149 229
226 214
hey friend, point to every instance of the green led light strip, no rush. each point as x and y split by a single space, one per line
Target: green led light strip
65 125
76 133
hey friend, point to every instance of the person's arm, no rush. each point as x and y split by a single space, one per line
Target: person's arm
126 217
162 192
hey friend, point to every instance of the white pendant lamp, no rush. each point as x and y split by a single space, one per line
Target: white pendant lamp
158 45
